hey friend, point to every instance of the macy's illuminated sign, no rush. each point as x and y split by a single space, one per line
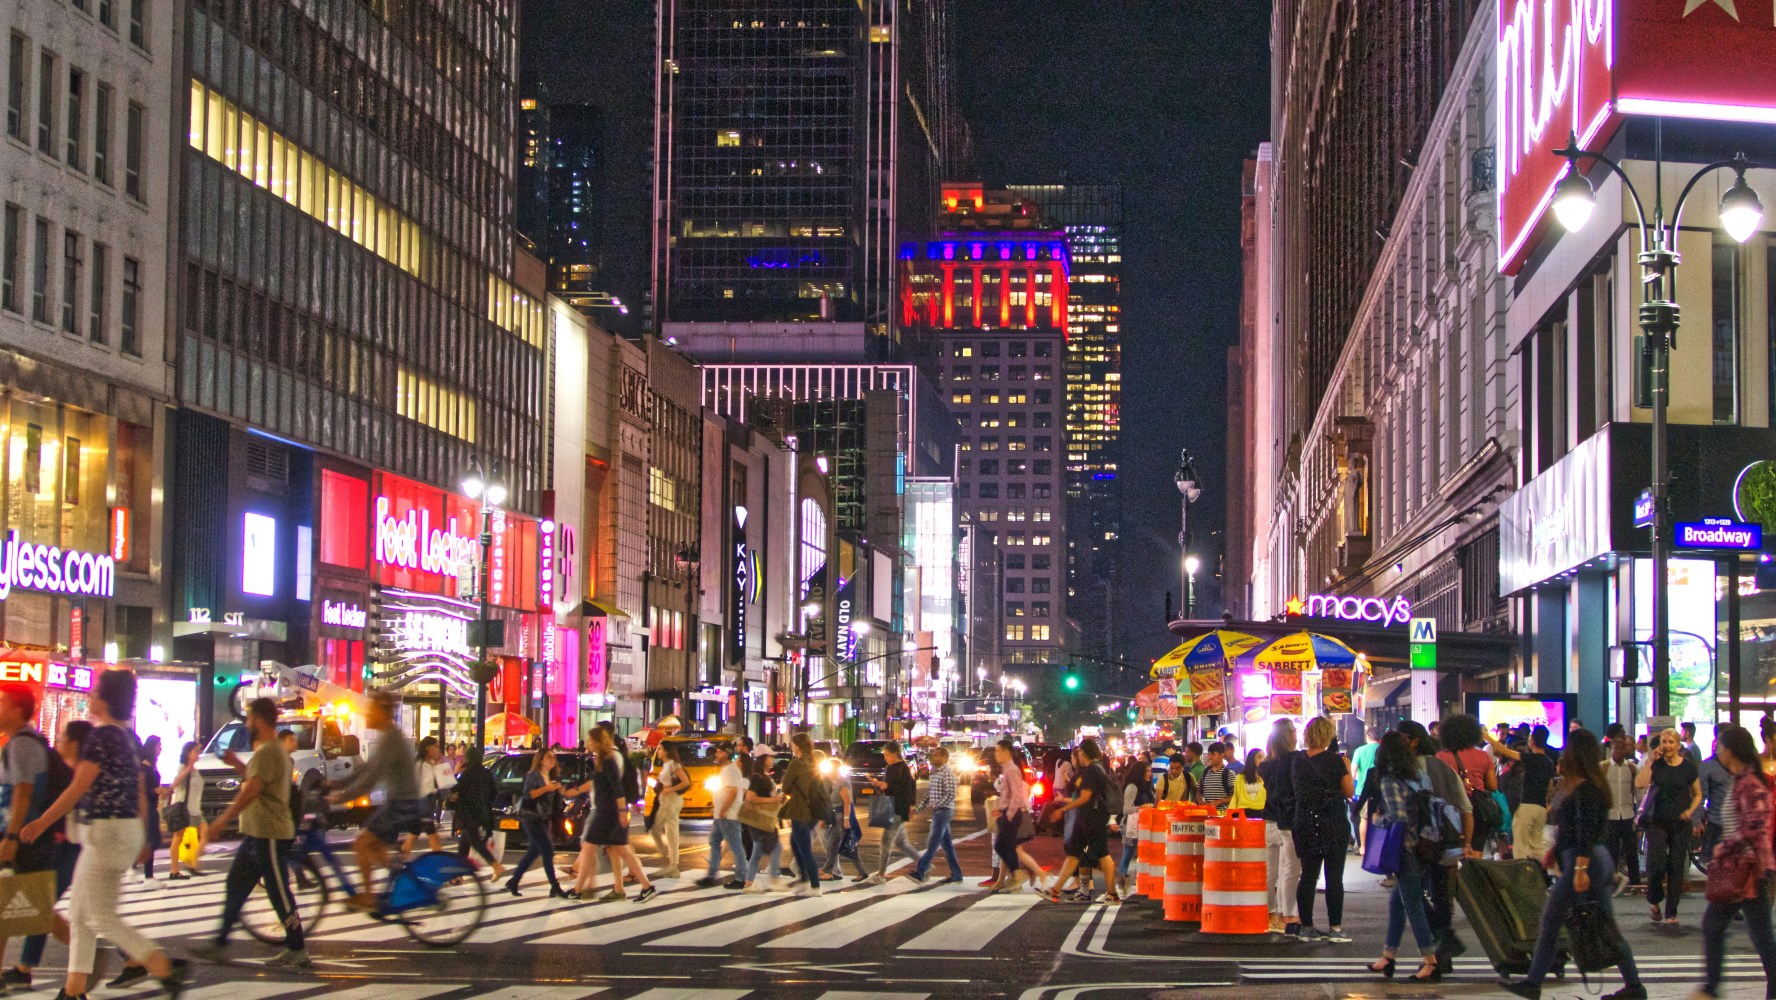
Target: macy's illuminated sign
410 542
1352 609
30 566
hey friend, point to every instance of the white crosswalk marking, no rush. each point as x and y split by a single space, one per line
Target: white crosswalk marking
974 928
863 995
398 991
776 918
861 923
252 989
683 993
542 993
657 921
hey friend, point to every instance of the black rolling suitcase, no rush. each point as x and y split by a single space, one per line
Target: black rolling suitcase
1504 901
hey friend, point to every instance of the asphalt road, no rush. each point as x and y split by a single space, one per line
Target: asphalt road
898 941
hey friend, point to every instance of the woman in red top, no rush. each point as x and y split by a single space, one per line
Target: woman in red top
1745 826
1461 737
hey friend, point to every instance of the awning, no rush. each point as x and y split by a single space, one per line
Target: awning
602 609
1390 691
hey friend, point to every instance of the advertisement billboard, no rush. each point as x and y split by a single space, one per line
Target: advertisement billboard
1555 711
1577 67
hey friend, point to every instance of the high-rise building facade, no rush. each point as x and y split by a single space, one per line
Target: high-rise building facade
356 329
84 210
783 132
534 131
985 300
1092 217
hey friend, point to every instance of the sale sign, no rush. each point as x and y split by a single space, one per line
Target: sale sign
1569 67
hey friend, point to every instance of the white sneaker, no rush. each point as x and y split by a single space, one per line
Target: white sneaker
804 890
876 879
759 886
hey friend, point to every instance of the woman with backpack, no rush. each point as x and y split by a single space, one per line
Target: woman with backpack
1580 811
1399 784
1461 739
805 804
1744 856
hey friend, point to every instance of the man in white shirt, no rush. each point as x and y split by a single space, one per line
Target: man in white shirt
729 795
1619 772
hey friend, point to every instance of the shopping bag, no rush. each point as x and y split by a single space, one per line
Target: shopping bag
881 811
187 846
1381 854
497 844
27 903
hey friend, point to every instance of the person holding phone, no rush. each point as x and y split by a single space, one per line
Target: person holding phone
538 802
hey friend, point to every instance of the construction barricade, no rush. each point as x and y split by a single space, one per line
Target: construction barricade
1235 889
1184 864
1150 851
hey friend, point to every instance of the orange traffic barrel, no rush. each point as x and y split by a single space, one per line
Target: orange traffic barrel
1235 890
1184 861
1149 853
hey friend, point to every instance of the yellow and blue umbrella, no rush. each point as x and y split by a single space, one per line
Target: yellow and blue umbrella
1211 649
1309 649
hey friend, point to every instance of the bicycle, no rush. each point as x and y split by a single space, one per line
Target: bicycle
435 897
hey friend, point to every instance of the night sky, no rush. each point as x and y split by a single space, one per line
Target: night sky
1167 96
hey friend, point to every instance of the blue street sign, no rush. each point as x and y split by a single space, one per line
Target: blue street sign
1718 533
1643 509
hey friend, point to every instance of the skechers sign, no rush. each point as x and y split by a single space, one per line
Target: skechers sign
1718 533
1353 609
29 566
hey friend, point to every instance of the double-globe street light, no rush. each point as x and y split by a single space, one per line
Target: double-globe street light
1740 215
490 492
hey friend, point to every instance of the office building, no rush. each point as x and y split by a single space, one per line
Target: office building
534 133
1092 217
783 133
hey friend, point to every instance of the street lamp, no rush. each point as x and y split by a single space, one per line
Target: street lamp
1191 565
1189 488
1740 215
490 491
689 560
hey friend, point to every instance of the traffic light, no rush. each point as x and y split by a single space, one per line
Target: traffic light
1070 681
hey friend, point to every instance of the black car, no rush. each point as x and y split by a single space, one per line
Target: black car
573 768
863 763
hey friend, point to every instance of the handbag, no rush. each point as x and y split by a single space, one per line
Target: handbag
881 811
760 815
176 816
1381 855
27 903
1592 939
852 836
1026 829
1734 874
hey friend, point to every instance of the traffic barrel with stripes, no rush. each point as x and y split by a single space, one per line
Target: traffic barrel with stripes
1235 891
1149 852
1184 864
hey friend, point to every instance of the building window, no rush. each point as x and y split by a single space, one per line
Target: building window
132 151
96 305
17 65
70 281
1015 584
129 312
989 467
102 135
76 94
40 273
662 489
138 23
107 14
1039 633
1014 609
989 491
1014 633
1039 609
424 400
1728 290
1015 561
1041 585
46 85
1041 539
1041 561
12 240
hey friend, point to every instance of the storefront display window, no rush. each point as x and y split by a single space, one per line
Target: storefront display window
1693 632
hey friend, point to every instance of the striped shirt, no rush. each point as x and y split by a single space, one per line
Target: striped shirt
940 789
1217 785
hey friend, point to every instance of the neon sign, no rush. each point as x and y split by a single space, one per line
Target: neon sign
431 632
409 541
1718 533
1352 609
29 566
343 614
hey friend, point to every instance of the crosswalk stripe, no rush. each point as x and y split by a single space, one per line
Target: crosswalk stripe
861 923
401 991
683 993
974 928
656 921
252 989
778 917
542 993
865 995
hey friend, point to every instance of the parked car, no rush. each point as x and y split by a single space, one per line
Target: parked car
321 749
696 751
572 769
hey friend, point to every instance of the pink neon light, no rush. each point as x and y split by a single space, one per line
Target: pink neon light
1507 254
1696 109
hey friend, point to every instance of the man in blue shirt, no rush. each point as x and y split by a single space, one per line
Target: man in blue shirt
1717 785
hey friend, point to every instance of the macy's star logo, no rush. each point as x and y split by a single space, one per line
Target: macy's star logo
1295 607
1730 6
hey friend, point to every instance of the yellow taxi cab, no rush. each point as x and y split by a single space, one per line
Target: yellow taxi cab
696 752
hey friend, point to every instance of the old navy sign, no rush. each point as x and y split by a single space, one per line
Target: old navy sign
1570 67
30 566
1718 533
1356 609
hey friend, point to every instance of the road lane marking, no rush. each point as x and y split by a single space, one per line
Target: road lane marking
675 993
656 921
865 921
542 993
727 932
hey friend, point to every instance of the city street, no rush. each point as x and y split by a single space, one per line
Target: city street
898 941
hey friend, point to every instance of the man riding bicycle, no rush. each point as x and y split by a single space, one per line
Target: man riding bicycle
392 768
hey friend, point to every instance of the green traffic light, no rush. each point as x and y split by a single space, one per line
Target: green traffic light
1071 682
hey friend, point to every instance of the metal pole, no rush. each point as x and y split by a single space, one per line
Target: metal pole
486 578
1659 319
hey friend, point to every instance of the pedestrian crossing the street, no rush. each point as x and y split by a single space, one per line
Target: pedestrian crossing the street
910 917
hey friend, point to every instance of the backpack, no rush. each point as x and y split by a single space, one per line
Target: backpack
1592 939
1435 835
1488 816
58 776
1511 783
631 780
819 806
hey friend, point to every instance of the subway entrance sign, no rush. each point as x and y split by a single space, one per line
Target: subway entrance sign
1422 644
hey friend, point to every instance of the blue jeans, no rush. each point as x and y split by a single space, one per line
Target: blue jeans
1131 845
1717 920
767 854
1407 903
537 847
939 836
1561 900
801 847
727 831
